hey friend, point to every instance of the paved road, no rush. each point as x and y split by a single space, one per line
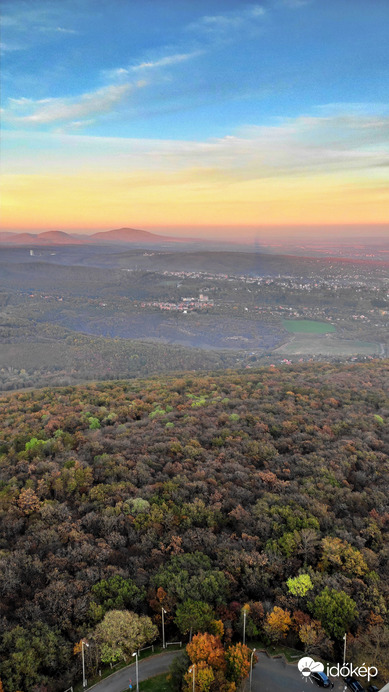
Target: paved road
147 669
269 675
274 675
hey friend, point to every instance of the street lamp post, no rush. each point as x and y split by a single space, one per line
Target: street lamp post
344 650
136 670
251 667
193 670
84 680
244 626
163 628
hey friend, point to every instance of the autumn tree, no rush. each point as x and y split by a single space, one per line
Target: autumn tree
204 677
314 639
277 623
372 646
340 555
216 627
28 501
238 662
206 647
121 633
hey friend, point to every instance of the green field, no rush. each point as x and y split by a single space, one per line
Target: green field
307 327
328 345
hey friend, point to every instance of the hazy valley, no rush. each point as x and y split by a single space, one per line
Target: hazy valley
71 313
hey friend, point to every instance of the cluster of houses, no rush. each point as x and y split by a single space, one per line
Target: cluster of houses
185 305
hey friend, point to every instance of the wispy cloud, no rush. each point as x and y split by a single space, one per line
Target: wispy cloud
294 4
165 61
51 110
229 22
57 29
23 23
304 146
210 29
8 46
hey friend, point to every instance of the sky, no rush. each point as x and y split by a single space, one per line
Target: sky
221 117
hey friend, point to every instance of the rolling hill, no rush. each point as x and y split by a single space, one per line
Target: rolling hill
119 236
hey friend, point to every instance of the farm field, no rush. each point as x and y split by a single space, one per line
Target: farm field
326 345
308 327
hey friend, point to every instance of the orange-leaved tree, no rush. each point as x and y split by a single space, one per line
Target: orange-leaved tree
238 662
277 623
206 647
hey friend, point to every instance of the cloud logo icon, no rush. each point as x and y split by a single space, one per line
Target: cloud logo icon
307 666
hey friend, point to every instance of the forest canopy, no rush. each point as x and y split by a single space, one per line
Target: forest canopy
200 494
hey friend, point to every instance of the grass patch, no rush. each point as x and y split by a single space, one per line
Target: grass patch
291 655
157 684
308 327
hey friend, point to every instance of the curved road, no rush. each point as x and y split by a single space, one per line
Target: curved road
117 682
269 675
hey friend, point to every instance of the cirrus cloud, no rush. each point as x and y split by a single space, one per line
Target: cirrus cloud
53 110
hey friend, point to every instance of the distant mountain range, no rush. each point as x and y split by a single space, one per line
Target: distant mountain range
118 236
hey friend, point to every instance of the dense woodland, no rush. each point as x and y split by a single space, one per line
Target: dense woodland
261 490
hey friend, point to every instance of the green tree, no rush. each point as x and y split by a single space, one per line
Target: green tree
190 576
113 594
194 616
336 611
94 423
121 633
299 586
32 656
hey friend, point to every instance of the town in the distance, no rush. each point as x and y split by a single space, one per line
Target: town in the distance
193 448
128 302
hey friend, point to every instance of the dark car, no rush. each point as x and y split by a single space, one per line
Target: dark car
321 679
354 685
372 688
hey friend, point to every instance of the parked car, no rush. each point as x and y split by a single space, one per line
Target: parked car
372 688
354 685
321 679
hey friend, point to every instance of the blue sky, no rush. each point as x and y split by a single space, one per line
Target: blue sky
165 71
190 69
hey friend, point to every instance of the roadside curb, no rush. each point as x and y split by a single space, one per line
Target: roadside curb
132 665
281 656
